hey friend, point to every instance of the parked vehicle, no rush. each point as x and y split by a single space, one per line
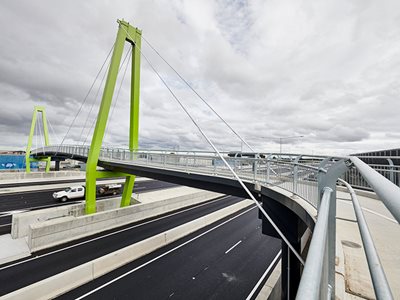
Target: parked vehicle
109 189
74 192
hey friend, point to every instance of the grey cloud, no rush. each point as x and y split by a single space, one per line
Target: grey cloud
328 71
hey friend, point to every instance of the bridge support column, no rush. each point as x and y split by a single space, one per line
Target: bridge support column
28 159
293 228
133 35
128 188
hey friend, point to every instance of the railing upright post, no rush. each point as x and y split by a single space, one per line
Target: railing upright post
391 173
328 180
268 167
255 170
295 173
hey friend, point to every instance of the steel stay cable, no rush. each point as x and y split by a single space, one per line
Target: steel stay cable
36 136
101 84
202 99
52 129
84 100
223 159
198 95
119 90
93 103
95 100
40 133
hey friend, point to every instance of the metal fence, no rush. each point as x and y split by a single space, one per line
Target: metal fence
313 178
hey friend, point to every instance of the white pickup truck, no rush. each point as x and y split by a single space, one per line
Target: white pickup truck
73 192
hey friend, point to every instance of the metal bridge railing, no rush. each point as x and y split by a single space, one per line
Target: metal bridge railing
310 177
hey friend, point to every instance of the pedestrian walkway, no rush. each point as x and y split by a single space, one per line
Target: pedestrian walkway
351 265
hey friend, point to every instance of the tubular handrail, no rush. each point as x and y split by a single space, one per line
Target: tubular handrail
300 175
310 283
387 191
379 281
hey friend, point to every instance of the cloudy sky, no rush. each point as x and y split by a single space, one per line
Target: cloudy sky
325 70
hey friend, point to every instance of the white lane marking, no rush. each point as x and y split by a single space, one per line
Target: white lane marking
5 225
9 213
164 254
229 250
108 234
373 212
263 276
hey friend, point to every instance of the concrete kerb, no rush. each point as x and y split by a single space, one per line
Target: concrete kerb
63 282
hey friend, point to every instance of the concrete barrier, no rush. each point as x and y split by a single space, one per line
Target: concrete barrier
39 175
22 221
63 282
42 235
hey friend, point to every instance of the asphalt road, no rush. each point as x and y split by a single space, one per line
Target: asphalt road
43 264
46 182
224 263
13 202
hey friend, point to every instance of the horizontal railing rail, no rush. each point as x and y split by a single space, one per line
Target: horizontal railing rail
386 190
379 281
313 280
299 174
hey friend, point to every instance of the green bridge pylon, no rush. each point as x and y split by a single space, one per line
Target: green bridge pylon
133 36
28 159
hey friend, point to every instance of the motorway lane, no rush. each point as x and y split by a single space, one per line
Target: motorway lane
225 263
58 259
24 200
47 182
14 202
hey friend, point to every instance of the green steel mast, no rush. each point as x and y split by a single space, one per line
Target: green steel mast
28 158
132 35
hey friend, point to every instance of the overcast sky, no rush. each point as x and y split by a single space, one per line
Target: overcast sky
326 70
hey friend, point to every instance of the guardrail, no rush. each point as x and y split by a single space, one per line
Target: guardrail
296 174
313 178
314 281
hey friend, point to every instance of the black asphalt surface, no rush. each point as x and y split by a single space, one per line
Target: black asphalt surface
42 199
25 200
201 269
47 182
47 263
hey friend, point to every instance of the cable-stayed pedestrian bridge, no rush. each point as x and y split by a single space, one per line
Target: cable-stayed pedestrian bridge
295 194
269 177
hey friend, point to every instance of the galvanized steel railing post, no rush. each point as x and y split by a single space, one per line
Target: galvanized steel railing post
329 179
391 169
295 173
314 281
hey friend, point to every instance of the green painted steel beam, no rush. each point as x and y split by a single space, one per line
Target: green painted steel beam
110 174
28 159
125 33
135 37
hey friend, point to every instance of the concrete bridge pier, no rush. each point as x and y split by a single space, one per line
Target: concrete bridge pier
293 228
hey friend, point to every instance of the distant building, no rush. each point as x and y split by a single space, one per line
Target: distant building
380 157
12 152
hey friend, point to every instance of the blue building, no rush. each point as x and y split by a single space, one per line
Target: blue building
14 162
